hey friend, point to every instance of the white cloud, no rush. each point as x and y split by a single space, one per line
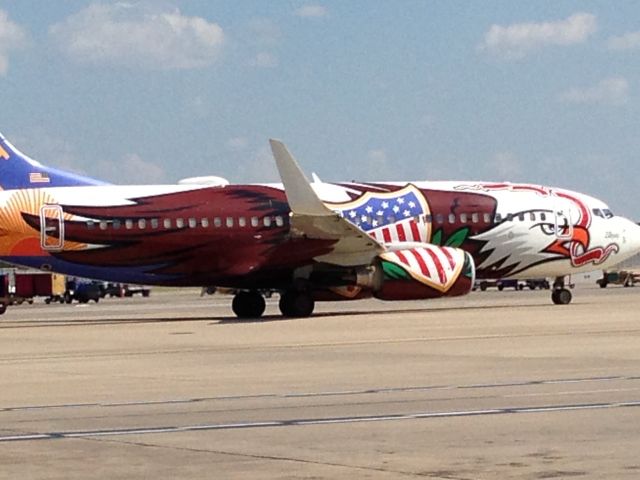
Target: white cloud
264 60
132 169
377 156
258 167
311 11
264 32
12 37
628 41
237 143
517 40
610 91
129 35
378 166
505 166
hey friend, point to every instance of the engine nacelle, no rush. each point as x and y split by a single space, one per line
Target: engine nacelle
426 271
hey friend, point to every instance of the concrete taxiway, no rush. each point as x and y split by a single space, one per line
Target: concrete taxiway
492 385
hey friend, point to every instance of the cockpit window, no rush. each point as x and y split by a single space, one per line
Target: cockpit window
598 213
608 213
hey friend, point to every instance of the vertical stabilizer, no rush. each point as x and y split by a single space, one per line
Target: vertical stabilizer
17 171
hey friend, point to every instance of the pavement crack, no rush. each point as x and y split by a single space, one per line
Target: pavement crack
278 458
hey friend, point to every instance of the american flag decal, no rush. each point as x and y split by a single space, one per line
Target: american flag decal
389 217
39 177
437 267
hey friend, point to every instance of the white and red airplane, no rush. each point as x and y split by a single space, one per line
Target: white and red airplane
306 241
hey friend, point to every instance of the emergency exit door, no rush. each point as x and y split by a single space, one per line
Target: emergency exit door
51 227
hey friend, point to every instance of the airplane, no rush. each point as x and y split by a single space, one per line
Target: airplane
306 240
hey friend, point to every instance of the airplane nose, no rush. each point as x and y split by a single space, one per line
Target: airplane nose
632 238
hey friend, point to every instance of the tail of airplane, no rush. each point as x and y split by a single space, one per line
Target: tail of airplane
17 170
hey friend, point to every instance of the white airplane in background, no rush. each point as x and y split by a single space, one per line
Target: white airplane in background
305 241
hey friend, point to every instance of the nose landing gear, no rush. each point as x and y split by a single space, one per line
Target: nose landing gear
560 294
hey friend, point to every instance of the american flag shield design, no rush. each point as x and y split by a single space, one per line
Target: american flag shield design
390 217
437 267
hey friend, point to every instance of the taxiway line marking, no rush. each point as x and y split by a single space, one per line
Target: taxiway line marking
364 391
312 421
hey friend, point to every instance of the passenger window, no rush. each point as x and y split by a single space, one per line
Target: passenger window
532 216
128 224
229 222
509 217
266 221
463 217
179 222
217 222
439 218
192 223
280 221
242 221
116 224
204 222
521 217
90 224
452 218
103 225
474 218
487 218
498 218
543 217
142 224
255 221
154 223
167 223
428 218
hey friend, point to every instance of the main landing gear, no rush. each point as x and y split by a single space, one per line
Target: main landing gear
560 294
248 305
293 303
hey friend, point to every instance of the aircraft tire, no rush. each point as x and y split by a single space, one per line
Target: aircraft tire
296 304
248 305
561 296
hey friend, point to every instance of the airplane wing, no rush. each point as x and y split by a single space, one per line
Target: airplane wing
311 218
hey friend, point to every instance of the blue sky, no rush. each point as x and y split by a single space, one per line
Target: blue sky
151 92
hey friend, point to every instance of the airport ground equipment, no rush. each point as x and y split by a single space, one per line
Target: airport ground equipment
626 278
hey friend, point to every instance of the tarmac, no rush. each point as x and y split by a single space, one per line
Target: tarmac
495 385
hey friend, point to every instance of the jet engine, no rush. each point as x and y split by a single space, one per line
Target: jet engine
422 272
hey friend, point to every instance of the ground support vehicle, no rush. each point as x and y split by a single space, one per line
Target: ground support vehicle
131 290
82 291
112 290
541 283
626 278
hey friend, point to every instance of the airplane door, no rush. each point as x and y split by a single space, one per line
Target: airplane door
51 227
563 225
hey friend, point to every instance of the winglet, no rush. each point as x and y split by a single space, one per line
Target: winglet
300 195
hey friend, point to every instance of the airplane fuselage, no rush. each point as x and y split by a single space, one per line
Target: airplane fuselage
240 235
